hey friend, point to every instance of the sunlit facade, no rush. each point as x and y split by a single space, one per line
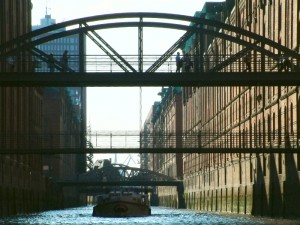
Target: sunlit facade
246 117
243 117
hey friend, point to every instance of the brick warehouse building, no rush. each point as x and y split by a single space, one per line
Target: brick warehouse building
23 185
247 117
21 182
163 129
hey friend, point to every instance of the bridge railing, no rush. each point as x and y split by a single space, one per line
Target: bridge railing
131 140
103 63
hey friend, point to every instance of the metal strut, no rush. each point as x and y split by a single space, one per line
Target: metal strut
141 45
112 56
44 57
141 70
170 52
231 59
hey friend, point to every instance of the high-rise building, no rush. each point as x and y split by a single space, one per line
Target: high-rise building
57 47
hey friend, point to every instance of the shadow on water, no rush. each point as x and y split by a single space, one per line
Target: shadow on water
161 216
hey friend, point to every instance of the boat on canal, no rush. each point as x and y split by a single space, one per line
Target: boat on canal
122 204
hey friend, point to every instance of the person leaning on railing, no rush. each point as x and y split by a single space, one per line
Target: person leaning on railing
188 64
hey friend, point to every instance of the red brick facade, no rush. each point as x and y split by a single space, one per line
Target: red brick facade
244 117
23 186
257 117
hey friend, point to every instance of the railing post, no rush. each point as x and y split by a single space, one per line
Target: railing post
140 139
110 140
81 51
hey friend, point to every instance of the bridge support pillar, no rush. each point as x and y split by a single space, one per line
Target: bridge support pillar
154 200
181 201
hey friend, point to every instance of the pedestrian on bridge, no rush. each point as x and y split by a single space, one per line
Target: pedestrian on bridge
283 63
64 60
51 63
178 63
188 64
247 60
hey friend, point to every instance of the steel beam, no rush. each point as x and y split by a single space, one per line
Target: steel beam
119 183
149 79
140 45
110 51
170 51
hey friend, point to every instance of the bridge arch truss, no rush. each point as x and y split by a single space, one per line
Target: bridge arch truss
89 25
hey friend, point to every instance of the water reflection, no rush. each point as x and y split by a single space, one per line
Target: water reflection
160 216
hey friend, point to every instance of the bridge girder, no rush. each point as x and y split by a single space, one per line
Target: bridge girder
24 41
150 79
115 173
162 150
80 30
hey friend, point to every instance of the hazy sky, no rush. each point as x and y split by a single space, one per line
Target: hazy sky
118 108
64 10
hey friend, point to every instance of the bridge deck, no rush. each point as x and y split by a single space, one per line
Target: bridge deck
147 150
119 183
151 79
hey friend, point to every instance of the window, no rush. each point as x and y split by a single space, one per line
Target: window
292 118
264 165
251 171
279 163
273 126
259 133
269 128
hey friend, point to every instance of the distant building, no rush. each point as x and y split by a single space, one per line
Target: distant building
57 47
148 138
163 129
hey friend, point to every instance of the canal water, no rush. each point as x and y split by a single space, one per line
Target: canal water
160 216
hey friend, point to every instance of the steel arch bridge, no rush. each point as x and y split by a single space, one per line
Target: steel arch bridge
101 179
120 175
27 44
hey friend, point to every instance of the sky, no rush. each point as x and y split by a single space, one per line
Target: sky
118 108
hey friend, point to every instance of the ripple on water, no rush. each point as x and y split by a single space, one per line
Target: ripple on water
160 216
